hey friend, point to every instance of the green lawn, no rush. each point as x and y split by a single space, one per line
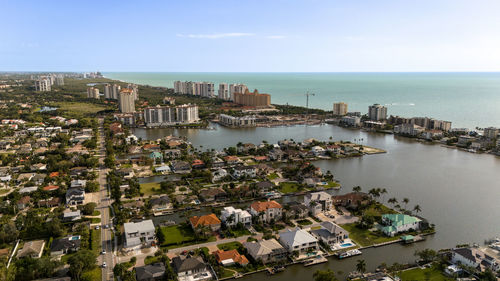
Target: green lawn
332 184
152 259
240 232
94 274
80 107
272 176
95 245
289 187
304 222
96 213
229 246
181 235
226 274
147 188
431 274
95 220
364 237
378 210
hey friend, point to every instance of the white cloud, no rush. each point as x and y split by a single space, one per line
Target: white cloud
215 35
276 37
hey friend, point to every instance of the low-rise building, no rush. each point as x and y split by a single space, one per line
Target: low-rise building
393 224
330 233
231 217
33 249
266 251
139 233
72 216
150 272
244 171
266 211
191 268
233 121
211 221
65 245
322 198
474 258
298 241
231 257
75 196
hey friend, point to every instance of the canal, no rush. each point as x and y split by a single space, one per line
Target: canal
458 191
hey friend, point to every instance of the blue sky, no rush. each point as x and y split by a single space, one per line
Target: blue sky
250 36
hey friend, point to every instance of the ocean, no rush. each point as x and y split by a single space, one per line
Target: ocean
467 99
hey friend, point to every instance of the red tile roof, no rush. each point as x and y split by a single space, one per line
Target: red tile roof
204 220
221 255
262 206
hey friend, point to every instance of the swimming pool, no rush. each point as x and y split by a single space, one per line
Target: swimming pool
345 245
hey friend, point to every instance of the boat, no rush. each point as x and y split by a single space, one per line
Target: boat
350 253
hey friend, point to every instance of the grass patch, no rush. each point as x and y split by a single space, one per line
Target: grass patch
80 107
152 259
432 274
181 235
94 274
95 220
3 191
66 257
332 184
365 237
96 213
229 246
272 176
95 237
227 273
304 222
240 232
150 188
289 187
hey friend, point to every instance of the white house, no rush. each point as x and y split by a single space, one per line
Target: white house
244 171
318 150
231 216
474 258
298 240
322 198
219 174
139 233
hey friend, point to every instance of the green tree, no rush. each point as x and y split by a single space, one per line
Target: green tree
356 189
361 266
81 261
324 275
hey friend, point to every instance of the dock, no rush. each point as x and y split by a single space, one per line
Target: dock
316 260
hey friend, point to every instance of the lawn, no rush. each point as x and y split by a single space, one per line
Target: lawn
332 184
378 210
304 222
229 246
94 274
80 107
364 237
96 213
272 176
147 188
227 273
95 245
289 187
240 232
181 235
152 259
95 220
431 274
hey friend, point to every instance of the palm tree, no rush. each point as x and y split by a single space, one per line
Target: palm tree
361 266
392 201
383 191
417 209
356 189
406 201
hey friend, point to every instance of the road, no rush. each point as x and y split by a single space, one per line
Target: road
103 204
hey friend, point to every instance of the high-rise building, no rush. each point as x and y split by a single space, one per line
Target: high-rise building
223 93
491 132
252 99
43 85
377 112
134 88
108 91
126 101
60 80
166 115
237 88
339 109
115 92
93 93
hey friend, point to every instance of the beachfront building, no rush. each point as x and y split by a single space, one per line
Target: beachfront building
232 121
126 101
236 88
266 211
254 99
339 109
377 112
204 89
393 224
351 121
299 241
231 217
408 129
223 92
491 132
139 233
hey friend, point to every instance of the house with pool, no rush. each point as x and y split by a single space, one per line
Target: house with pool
333 235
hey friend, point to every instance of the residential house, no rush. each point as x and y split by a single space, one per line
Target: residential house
393 224
351 200
78 183
231 257
191 268
160 204
72 216
139 233
298 241
265 186
276 155
266 211
231 217
330 233
297 210
219 174
246 147
75 196
150 272
211 221
311 200
232 160
172 153
49 203
198 164
318 150
217 162
213 194
475 258
163 169
65 245
156 156
180 167
244 171
266 251
32 249
23 203
28 189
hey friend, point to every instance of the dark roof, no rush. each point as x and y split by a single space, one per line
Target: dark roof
160 200
75 191
64 243
182 264
264 184
148 272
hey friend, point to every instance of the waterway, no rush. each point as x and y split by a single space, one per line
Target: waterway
458 191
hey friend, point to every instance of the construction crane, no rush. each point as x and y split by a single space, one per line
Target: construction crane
307 104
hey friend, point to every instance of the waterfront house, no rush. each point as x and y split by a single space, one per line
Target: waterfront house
330 233
198 164
213 194
351 200
393 224
246 147
33 249
265 186
266 211
231 257
139 233
172 153
162 169
231 217
150 272
475 258
191 268
217 162
180 167
266 251
210 221
318 150
160 204
322 198
299 241
65 245
219 174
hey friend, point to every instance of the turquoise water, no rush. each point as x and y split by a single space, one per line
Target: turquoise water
467 99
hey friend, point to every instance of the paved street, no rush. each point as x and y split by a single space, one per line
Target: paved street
103 206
